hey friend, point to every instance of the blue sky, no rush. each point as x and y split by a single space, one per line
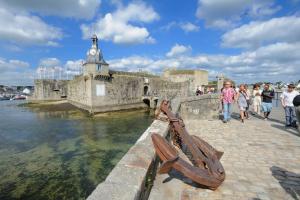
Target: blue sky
247 40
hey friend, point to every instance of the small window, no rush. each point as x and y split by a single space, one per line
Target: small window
99 68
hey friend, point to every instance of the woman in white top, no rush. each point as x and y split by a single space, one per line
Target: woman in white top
256 99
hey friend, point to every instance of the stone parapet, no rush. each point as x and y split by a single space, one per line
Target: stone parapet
200 107
127 179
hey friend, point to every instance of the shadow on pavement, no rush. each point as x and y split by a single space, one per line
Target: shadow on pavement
236 116
177 175
289 130
270 119
289 181
277 121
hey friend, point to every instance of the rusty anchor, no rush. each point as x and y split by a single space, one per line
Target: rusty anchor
206 170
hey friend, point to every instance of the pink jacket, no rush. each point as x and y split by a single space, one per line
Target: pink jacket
228 95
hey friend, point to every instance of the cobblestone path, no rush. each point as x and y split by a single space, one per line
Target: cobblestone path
261 161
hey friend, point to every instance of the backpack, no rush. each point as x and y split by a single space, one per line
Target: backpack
296 101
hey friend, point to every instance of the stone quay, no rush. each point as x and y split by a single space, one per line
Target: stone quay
261 159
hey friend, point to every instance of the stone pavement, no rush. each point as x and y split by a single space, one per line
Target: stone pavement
261 161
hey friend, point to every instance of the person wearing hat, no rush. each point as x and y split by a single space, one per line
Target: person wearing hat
287 98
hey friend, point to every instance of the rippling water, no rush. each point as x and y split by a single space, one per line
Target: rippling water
61 154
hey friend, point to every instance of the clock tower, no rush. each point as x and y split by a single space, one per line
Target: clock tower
95 64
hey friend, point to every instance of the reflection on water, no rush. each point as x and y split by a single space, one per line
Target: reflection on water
61 155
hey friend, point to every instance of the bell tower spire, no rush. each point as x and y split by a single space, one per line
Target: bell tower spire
95 41
94 59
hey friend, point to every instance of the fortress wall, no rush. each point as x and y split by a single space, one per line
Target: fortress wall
50 89
126 92
79 92
123 91
194 77
165 89
120 90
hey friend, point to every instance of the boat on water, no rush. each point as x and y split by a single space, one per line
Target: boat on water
19 97
3 98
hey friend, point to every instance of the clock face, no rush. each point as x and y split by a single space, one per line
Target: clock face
93 52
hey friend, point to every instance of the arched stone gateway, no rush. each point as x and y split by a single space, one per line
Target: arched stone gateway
146 90
147 101
151 101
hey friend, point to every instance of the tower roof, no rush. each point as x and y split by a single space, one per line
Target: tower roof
94 36
94 54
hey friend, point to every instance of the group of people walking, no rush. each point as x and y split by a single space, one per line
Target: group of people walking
260 100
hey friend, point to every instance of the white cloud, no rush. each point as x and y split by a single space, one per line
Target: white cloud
10 65
169 26
189 27
66 8
17 78
185 26
27 29
53 68
73 66
133 63
12 48
256 34
120 26
49 62
178 50
274 62
225 14
15 72
279 61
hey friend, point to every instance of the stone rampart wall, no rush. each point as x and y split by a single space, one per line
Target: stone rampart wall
50 89
79 91
165 89
121 92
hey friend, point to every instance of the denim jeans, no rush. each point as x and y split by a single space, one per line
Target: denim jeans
227 111
298 116
290 115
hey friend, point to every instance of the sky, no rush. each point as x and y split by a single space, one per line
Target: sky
246 40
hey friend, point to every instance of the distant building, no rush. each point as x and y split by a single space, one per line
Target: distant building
100 89
196 78
26 91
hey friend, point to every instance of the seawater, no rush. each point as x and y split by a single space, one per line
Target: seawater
61 154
